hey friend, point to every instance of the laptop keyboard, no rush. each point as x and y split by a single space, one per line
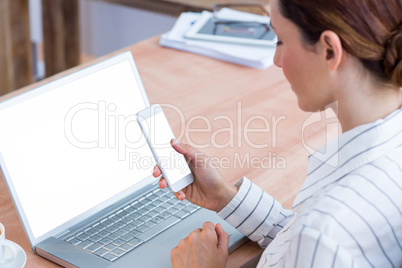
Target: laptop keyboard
128 227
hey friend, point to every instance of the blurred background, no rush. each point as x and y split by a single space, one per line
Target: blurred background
39 38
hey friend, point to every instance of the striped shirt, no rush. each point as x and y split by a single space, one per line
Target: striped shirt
350 206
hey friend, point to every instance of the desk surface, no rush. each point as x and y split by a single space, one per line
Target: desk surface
245 109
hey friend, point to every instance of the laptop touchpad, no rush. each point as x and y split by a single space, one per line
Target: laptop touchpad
183 230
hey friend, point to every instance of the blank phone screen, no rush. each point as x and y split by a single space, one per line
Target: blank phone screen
160 134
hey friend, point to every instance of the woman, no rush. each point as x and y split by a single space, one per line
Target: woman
347 54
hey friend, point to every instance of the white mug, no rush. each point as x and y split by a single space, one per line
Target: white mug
6 244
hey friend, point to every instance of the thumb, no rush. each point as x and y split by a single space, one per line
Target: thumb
183 149
223 238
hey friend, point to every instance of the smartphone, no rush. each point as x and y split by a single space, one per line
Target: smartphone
158 134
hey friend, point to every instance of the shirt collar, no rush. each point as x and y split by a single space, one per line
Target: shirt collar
350 151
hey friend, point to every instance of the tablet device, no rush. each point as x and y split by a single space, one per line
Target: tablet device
236 31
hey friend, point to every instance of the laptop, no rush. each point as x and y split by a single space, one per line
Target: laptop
80 173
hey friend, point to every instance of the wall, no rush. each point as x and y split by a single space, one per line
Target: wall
107 27
104 28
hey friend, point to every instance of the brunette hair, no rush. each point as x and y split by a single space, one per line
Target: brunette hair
370 30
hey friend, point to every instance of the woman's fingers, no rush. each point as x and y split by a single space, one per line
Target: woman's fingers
157 172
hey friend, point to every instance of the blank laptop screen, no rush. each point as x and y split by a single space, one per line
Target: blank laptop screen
75 146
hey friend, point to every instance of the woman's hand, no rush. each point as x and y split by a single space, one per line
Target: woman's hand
206 247
209 189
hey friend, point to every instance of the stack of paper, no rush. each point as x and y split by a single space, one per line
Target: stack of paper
252 56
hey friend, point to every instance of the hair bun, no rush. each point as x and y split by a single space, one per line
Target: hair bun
393 56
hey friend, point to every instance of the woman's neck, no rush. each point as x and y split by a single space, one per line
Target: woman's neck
366 104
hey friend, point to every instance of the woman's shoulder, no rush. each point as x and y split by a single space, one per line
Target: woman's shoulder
360 213
363 208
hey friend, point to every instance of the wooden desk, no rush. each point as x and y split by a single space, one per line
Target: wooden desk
208 90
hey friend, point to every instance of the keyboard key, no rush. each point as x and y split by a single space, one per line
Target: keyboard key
150 224
179 206
157 203
90 232
134 233
181 214
101 252
152 197
157 229
129 209
119 224
74 241
174 201
159 193
115 218
145 218
164 198
127 220
166 205
95 238
121 232
119 242
137 222
165 190
69 237
122 213
118 252
95 247
82 236
134 216
127 237
144 202
190 209
112 228
150 207
109 257
141 228
129 227
107 223
85 244
98 227
110 246
186 202
159 209
158 219
135 242
152 214
165 215
106 240
113 236
147 201
142 211
138 206
172 210
126 247
194 206
103 233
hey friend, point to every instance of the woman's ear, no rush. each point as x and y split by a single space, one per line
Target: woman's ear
332 49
